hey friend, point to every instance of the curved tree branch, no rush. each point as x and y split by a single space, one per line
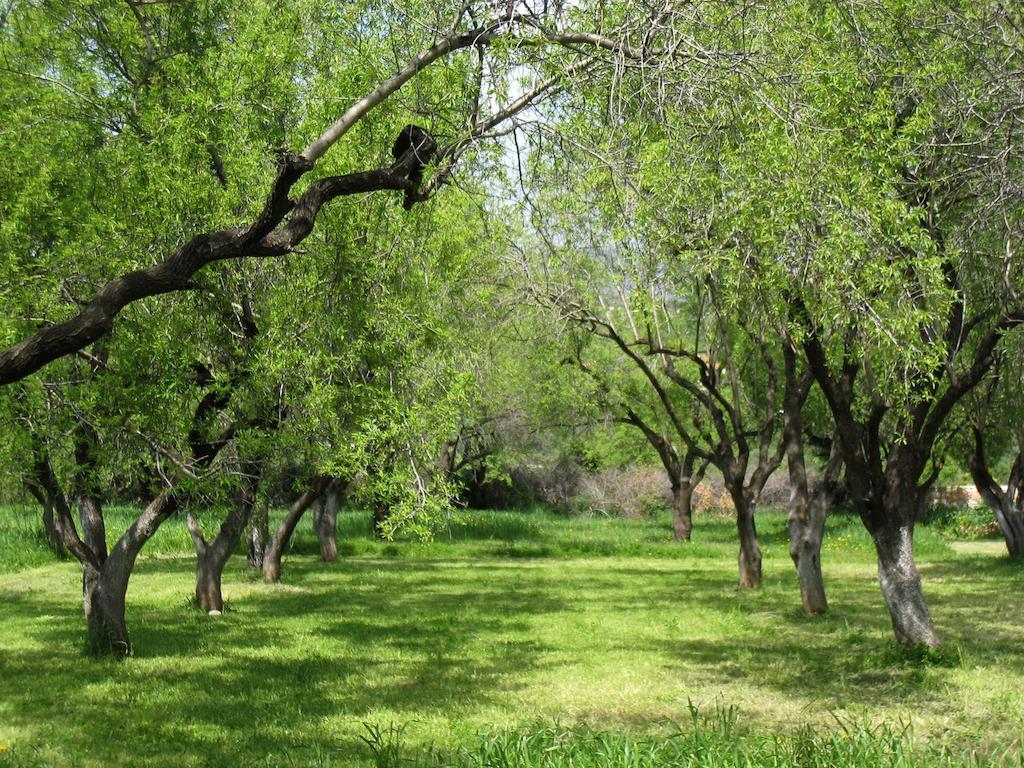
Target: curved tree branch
262 237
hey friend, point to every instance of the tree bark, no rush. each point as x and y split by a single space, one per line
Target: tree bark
325 522
53 538
87 496
1010 517
901 586
1008 505
213 556
104 600
750 548
90 516
807 508
682 511
258 537
107 585
683 487
283 534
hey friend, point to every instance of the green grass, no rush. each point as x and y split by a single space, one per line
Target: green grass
552 640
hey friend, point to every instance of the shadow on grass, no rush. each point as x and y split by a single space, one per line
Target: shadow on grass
305 662
411 638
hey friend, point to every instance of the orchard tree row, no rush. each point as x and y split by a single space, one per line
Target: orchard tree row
777 238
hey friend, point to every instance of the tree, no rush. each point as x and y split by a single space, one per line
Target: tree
268 234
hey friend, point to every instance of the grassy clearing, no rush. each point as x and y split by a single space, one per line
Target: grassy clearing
507 624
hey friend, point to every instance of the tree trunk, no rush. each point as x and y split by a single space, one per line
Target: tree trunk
807 508
805 549
283 535
90 515
901 585
1007 505
105 593
212 557
325 523
682 491
807 512
682 511
88 497
53 538
209 570
104 600
258 536
1011 522
750 548
50 527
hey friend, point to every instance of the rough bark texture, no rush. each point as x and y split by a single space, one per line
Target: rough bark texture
808 507
53 539
750 548
258 536
107 631
283 534
1008 505
325 522
682 511
212 556
901 586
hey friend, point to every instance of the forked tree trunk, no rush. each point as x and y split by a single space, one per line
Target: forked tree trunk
105 588
325 523
283 534
901 586
213 556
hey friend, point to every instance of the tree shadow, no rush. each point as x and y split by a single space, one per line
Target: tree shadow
417 639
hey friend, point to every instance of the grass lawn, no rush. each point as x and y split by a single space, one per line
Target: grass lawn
509 627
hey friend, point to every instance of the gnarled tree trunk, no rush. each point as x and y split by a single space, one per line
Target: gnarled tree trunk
107 586
1007 505
213 556
283 534
901 585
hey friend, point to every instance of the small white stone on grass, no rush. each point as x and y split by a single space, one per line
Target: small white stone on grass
215 612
